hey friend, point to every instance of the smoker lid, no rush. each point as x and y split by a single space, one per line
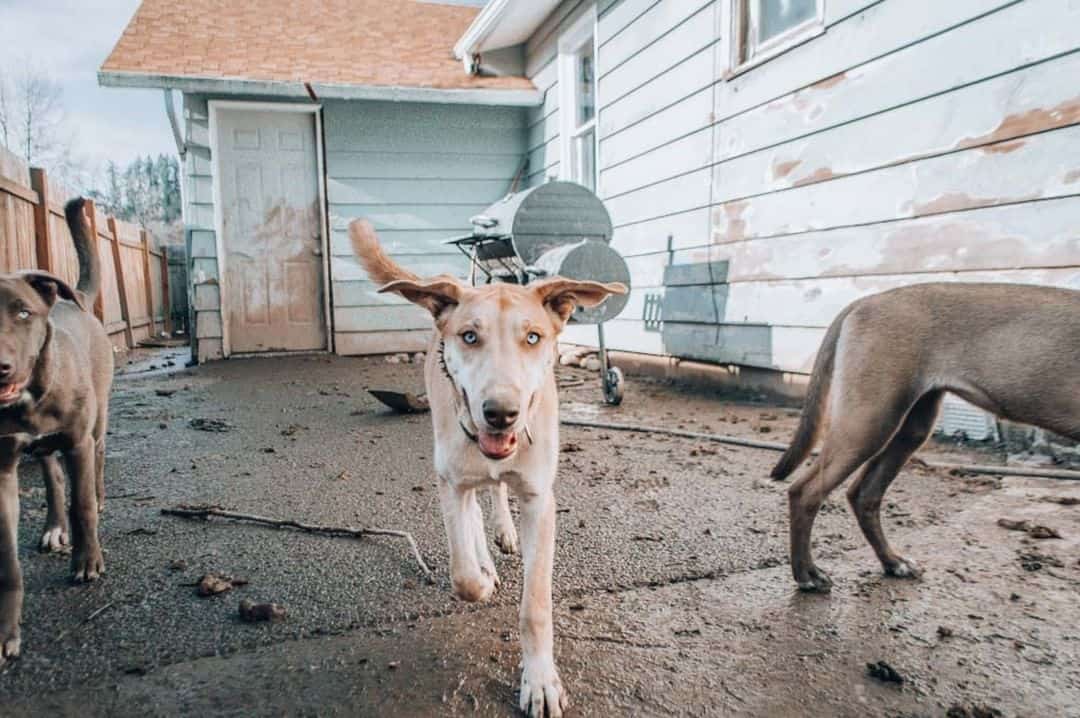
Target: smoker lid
546 216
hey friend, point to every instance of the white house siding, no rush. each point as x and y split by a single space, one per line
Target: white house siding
199 217
912 141
417 171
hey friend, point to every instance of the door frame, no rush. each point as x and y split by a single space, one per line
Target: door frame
315 109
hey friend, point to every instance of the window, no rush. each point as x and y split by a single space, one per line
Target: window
765 28
577 102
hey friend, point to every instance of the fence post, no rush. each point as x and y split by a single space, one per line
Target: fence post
39 182
99 301
121 284
166 298
148 284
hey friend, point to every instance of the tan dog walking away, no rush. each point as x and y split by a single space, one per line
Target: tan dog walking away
56 371
495 411
878 381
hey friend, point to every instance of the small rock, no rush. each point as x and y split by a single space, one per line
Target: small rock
165 392
251 612
884 672
944 632
570 447
212 584
214 425
591 363
975 710
178 565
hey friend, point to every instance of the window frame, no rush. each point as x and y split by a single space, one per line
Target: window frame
579 36
747 53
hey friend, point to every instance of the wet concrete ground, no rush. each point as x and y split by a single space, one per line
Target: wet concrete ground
673 595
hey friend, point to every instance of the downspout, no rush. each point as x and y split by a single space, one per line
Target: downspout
181 149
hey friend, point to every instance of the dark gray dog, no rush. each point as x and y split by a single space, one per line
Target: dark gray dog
56 368
882 370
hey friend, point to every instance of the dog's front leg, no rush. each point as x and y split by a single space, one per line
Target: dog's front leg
540 684
11 583
460 513
87 563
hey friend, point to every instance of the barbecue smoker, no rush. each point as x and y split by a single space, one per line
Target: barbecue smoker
558 228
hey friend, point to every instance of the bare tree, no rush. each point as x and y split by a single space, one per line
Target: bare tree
5 112
41 117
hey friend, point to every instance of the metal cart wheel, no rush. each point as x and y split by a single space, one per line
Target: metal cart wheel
613 386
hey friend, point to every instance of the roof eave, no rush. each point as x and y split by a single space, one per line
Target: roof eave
322 91
480 28
502 23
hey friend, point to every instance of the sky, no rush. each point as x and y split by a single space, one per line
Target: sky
69 40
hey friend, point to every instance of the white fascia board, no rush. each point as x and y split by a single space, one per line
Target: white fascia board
324 91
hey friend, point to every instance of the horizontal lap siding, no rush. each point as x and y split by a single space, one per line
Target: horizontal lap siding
912 141
418 173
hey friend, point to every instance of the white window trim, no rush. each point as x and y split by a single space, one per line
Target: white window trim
571 42
741 44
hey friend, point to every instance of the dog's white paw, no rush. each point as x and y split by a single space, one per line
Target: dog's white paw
10 642
55 540
475 588
541 688
903 568
506 539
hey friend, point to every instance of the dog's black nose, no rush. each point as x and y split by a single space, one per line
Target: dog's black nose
6 370
499 415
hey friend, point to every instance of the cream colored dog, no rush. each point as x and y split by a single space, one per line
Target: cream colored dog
495 411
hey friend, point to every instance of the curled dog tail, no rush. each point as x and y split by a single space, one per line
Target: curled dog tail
817 396
376 261
89 263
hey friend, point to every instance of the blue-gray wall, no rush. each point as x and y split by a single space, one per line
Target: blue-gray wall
418 172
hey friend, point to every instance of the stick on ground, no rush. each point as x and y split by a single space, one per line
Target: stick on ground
205 512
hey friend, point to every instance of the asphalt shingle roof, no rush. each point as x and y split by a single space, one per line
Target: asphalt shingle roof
382 43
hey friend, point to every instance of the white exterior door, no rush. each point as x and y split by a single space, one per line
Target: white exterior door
271 231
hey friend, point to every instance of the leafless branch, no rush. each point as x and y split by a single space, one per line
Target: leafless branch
205 512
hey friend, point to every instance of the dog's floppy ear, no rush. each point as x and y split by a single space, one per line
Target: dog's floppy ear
435 295
562 295
51 287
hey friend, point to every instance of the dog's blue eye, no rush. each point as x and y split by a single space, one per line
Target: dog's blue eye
23 314
470 337
532 338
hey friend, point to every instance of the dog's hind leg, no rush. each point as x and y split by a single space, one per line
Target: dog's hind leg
11 582
505 534
56 535
866 493
87 563
99 473
854 437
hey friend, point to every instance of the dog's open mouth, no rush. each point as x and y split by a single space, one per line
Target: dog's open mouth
497 446
10 392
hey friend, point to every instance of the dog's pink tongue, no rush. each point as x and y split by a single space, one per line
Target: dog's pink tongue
8 391
497 444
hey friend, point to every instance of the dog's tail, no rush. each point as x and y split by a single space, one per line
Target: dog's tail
89 263
817 397
376 261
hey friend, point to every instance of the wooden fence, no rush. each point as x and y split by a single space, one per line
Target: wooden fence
133 303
